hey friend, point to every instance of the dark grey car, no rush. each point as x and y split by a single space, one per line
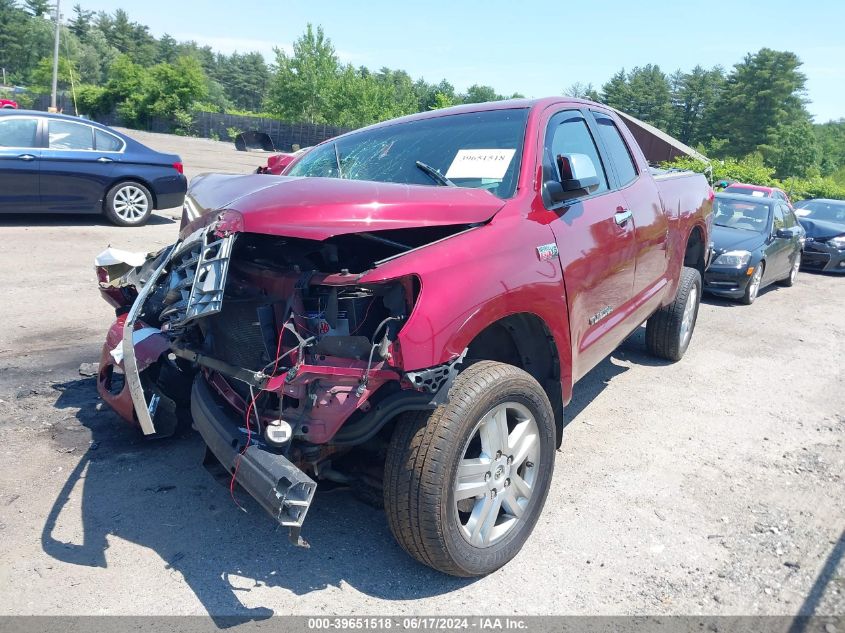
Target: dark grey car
824 222
757 242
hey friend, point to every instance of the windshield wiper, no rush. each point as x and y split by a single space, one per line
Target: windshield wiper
436 176
337 158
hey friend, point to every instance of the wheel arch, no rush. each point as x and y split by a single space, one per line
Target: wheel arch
524 340
695 250
136 179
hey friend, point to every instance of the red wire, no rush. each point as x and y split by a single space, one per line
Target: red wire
240 455
249 423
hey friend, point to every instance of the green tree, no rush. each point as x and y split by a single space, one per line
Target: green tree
168 49
130 38
694 96
80 23
794 152
480 94
300 89
244 78
38 8
762 94
649 97
13 28
42 75
442 100
427 98
830 138
580 90
616 93
173 88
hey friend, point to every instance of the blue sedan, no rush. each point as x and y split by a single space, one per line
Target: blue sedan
53 163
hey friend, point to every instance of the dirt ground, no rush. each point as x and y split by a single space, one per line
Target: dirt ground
710 486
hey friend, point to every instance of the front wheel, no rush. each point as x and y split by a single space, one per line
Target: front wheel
669 330
465 484
793 272
753 287
129 204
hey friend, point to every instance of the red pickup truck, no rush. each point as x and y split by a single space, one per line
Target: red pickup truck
405 312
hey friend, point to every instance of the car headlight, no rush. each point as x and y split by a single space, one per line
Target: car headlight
733 259
838 242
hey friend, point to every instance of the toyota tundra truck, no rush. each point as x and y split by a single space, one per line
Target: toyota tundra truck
406 311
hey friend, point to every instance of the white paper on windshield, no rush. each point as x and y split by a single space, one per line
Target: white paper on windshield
480 163
758 194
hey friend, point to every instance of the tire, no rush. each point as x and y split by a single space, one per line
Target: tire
668 331
754 285
129 203
789 280
421 490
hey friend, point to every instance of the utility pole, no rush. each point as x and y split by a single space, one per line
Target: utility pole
55 61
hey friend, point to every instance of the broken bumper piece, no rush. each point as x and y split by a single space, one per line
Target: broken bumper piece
283 490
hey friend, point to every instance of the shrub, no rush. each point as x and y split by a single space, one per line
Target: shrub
753 170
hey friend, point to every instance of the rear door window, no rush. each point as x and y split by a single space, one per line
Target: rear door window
18 132
107 142
616 147
66 135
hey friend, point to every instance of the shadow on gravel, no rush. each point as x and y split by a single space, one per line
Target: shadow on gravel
632 350
817 591
157 494
714 300
62 219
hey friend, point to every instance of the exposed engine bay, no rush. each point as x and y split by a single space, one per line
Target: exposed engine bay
302 365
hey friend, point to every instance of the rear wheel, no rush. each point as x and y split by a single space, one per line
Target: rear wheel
753 287
669 330
129 204
793 272
465 484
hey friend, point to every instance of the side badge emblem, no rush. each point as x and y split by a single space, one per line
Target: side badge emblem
545 252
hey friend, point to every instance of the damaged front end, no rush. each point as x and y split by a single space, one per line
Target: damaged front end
276 347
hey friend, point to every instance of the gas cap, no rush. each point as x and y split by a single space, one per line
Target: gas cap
278 433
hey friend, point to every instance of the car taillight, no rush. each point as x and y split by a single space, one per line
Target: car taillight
178 167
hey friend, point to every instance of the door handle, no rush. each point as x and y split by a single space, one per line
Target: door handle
104 159
26 157
622 217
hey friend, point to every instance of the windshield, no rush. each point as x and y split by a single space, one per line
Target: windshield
478 149
818 210
745 191
736 214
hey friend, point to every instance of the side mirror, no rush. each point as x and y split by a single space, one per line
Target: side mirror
578 177
786 233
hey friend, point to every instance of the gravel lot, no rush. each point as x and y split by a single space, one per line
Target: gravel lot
711 486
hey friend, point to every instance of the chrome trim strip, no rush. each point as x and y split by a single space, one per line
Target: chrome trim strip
130 365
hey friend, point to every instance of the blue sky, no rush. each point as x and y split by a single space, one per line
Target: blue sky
536 48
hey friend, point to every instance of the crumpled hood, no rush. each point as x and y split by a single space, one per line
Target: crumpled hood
319 208
726 238
821 230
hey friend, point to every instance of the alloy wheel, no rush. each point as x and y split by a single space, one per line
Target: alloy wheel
754 284
688 319
130 203
497 473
